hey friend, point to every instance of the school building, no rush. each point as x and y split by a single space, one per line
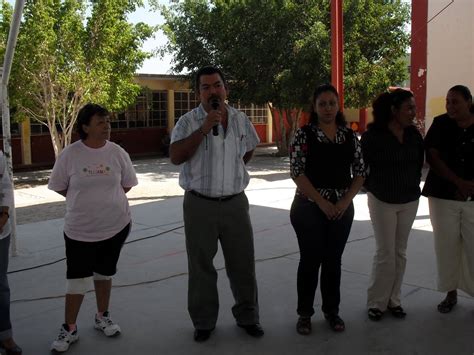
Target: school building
442 55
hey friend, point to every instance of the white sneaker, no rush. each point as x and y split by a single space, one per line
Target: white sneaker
65 339
107 325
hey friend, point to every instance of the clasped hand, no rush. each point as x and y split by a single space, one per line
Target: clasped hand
334 211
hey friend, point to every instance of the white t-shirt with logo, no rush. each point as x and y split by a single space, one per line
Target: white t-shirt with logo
96 205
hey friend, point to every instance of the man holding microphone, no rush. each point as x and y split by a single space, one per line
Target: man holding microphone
213 142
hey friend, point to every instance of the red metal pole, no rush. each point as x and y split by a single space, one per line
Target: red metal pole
362 120
337 49
419 61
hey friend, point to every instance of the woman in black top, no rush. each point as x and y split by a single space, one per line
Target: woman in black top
393 151
328 169
449 187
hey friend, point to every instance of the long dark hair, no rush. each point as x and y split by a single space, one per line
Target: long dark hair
383 105
313 118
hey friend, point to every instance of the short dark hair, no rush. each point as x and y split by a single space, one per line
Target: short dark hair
382 107
340 119
463 90
208 70
84 117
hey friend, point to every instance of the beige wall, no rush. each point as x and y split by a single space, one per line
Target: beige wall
159 83
450 52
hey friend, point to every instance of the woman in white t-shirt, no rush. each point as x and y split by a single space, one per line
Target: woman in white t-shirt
94 175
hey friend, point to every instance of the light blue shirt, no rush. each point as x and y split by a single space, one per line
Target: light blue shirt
217 167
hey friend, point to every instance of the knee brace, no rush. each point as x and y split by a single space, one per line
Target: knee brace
78 286
100 277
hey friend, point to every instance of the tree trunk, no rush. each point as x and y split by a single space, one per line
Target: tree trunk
276 137
61 139
283 149
55 139
295 124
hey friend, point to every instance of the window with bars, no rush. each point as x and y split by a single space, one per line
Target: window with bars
184 101
258 114
149 110
159 109
14 128
37 128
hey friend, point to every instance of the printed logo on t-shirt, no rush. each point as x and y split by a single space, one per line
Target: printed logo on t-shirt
96 169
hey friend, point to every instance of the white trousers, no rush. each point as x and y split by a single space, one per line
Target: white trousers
453 229
392 224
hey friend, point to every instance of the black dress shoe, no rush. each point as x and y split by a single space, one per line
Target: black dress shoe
254 330
201 335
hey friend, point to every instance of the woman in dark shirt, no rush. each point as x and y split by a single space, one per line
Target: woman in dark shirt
449 187
393 151
328 169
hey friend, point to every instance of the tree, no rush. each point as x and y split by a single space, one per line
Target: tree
375 48
71 52
276 52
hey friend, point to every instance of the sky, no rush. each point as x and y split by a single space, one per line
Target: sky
155 65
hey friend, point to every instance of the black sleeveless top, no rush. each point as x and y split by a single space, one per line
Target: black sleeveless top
328 165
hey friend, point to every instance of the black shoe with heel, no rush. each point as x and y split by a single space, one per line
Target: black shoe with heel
375 314
397 312
201 335
254 330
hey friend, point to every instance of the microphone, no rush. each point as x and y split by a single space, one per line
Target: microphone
215 105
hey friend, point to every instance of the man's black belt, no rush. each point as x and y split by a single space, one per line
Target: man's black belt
222 198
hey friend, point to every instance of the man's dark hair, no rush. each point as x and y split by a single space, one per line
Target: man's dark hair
208 70
84 117
463 90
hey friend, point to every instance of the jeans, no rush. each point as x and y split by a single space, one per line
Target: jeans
321 242
5 325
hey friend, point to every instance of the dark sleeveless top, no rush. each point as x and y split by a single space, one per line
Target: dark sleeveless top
328 165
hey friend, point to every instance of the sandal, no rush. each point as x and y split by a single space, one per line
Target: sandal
397 312
375 314
303 326
447 305
335 322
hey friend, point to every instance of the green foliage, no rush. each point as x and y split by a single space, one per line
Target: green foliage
71 52
6 13
375 47
278 51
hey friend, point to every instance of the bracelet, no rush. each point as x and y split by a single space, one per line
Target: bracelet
202 132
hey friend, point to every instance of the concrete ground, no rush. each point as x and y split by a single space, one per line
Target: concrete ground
149 295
